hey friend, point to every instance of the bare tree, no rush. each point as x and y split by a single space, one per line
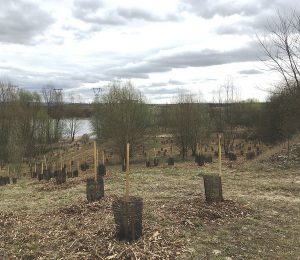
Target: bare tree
225 113
189 122
53 99
281 46
122 115
73 124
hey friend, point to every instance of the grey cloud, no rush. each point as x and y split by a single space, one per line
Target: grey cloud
175 82
99 15
88 5
139 14
32 80
125 73
247 26
162 91
250 72
232 29
170 82
21 21
201 58
207 8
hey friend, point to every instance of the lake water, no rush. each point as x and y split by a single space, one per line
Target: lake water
85 127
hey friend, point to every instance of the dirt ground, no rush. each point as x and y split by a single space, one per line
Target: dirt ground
259 218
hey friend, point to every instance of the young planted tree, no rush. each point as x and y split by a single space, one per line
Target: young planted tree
121 115
128 210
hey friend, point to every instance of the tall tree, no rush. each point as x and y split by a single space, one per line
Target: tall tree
72 124
281 48
121 115
225 114
53 99
189 122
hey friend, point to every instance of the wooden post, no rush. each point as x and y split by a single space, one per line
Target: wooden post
46 166
95 160
103 157
97 156
171 148
78 168
42 168
34 167
61 162
220 155
127 174
154 152
8 173
201 147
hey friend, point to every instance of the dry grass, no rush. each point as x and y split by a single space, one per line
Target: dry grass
259 220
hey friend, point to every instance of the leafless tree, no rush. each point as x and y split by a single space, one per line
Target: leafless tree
73 124
281 47
225 113
53 99
189 122
121 115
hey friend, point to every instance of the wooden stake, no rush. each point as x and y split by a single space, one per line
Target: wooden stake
220 155
34 167
95 159
46 166
103 157
201 147
42 168
154 152
127 174
78 168
61 162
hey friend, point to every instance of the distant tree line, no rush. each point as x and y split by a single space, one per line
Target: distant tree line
122 115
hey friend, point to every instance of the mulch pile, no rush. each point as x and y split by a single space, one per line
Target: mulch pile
280 159
195 209
85 230
52 186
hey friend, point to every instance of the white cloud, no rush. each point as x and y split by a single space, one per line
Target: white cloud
81 44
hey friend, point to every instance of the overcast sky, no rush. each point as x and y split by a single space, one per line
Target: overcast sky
161 46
